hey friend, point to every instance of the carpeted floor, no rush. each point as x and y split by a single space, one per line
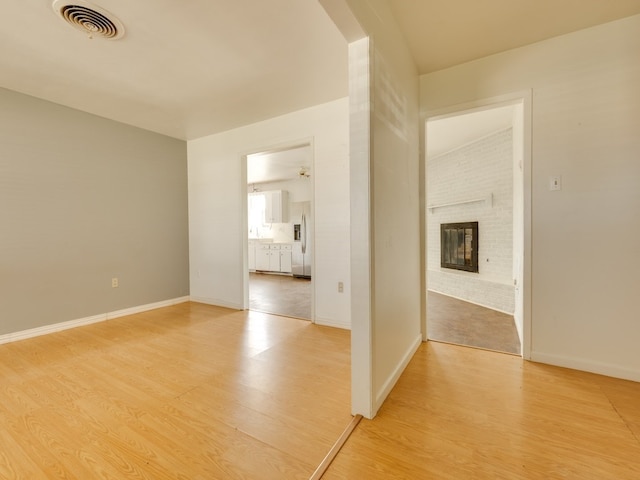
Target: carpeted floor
454 321
280 294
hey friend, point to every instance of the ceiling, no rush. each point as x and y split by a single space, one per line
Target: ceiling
191 68
442 34
445 134
293 163
183 68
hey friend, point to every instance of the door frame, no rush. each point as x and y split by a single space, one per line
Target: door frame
274 148
524 100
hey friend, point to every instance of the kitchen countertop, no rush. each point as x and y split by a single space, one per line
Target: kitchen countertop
269 240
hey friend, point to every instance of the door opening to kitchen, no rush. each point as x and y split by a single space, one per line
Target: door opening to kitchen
280 231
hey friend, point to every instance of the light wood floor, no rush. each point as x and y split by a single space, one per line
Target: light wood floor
463 323
462 413
280 295
185 392
199 392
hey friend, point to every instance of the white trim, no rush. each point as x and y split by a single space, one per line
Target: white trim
524 97
361 253
487 199
146 308
80 322
391 381
477 105
217 303
279 147
328 322
608 369
527 266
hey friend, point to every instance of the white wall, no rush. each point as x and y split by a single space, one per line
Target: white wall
217 206
385 207
586 119
476 170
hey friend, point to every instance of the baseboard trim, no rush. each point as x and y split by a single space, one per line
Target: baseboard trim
217 303
327 322
80 322
146 308
599 368
391 381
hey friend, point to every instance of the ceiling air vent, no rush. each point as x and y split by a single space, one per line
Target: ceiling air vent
91 19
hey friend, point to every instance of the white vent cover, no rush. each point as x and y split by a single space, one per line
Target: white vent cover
91 19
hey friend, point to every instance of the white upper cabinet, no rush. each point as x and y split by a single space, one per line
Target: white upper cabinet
276 206
270 207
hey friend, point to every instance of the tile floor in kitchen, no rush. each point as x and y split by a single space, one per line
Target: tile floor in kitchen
280 294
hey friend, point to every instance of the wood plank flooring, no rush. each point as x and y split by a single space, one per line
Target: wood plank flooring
463 413
184 392
200 392
280 295
455 321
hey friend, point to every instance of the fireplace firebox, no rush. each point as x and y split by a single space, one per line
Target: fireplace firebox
459 246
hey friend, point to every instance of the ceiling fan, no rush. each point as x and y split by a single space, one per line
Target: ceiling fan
304 172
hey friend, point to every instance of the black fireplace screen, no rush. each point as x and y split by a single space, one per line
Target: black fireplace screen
459 246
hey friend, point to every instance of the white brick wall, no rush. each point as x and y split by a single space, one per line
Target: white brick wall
475 171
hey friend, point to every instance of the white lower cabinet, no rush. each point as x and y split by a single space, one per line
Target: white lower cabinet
285 258
262 257
271 257
252 256
274 258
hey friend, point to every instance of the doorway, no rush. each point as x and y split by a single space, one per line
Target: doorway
475 171
280 231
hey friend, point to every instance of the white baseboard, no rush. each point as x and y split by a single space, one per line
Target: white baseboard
607 369
145 308
328 322
58 327
217 303
391 381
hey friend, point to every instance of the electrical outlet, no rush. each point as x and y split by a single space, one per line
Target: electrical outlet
340 287
555 183
114 283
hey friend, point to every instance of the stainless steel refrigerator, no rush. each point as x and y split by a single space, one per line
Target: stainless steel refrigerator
301 257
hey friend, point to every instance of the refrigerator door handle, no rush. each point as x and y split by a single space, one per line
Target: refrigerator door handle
303 234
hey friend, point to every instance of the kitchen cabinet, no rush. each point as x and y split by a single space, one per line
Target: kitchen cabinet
272 257
252 256
268 207
276 206
285 258
263 254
